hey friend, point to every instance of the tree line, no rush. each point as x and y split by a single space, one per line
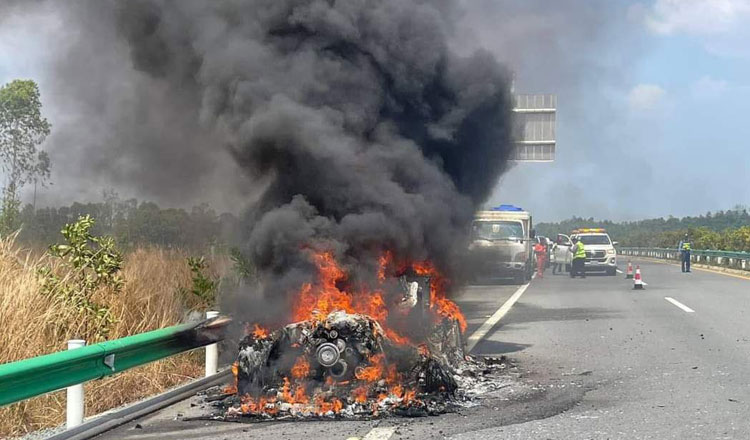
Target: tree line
723 230
132 223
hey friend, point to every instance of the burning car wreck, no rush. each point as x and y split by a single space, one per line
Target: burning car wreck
349 358
346 363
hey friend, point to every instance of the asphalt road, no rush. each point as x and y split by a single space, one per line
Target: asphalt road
595 360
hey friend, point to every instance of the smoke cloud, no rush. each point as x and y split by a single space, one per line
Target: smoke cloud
351 126
365 131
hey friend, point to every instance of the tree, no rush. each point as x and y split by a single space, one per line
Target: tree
22 129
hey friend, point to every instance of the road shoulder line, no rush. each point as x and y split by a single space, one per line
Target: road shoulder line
485 328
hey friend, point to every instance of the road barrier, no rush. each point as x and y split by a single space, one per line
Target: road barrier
35 376
734 260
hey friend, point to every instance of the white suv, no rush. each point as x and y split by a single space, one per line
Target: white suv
600 250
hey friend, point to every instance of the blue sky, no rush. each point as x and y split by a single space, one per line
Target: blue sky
661 131
653 100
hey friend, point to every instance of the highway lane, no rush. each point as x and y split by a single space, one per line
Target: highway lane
653 370
599 360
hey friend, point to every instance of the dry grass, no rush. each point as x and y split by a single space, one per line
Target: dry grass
33 324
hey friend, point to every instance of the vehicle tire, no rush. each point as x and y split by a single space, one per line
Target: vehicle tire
568 268
612 272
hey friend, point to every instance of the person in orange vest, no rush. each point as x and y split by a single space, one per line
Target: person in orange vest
541 253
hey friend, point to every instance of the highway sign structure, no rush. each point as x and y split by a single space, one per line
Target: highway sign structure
535 123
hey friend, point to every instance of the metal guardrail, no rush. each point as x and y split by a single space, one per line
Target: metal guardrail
737 260
35 376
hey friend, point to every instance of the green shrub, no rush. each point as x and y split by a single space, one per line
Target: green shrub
204 287
87 264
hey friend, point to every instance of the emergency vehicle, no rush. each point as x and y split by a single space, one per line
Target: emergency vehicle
601 254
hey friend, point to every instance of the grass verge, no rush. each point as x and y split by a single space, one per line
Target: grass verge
155 295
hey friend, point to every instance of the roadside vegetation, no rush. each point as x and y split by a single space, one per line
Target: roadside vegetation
95 271
85 287
722 230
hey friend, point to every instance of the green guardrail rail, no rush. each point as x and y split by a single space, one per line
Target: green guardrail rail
698 252
35 376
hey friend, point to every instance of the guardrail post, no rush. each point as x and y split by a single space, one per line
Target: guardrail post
212 351
74 402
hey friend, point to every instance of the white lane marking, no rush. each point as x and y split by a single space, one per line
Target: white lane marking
482 331
618 271
680 305
380 433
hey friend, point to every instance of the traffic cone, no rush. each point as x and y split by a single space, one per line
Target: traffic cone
637 281
629 273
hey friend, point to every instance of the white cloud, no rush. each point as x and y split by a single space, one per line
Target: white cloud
718 24
707 87
645 97
702 17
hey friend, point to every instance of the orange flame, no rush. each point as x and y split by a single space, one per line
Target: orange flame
397 390
374 371
360 394
423 350
248 405
316 300
301 368
438 289
260 332
286 395
408 396
392 376
232 389
395 337
322 407
384 261
300 396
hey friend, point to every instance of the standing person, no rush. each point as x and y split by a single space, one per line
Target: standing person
684 248
541 252
579 259
553 258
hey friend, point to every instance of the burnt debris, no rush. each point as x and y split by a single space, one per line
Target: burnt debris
346 364
343 366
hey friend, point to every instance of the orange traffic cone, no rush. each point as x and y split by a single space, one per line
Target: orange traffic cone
637 281
629 273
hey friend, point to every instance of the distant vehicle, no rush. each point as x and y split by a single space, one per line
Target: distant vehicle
501 244
600 250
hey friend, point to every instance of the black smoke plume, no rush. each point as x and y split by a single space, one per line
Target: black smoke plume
347 125
366 131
